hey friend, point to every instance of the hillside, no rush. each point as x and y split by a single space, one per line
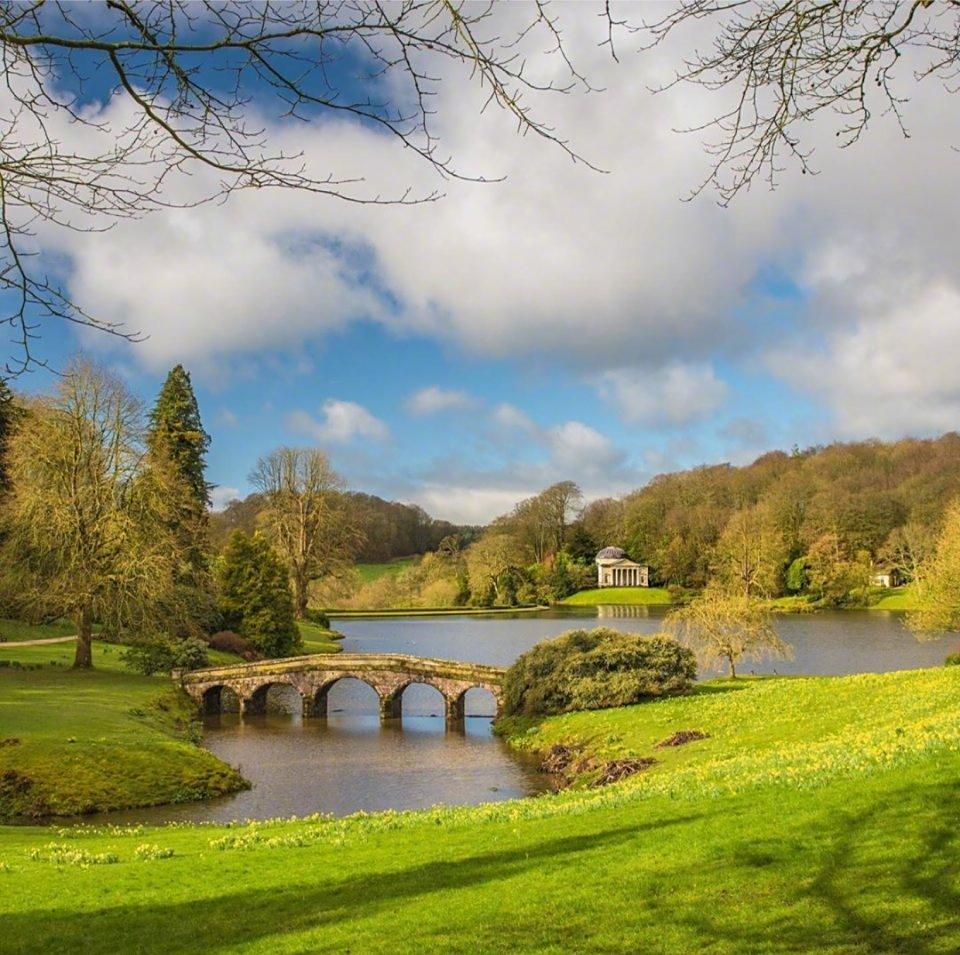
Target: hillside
841 507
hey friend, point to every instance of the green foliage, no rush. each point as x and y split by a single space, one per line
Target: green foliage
939 581
8 417
952 660
595 669
796 577
255 597
163 654
317 617
176 433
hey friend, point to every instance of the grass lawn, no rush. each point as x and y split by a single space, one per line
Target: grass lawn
371 572
76 741
618 595
820 815
317 640
897 598
14 630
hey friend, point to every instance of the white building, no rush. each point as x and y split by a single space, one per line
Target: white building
615 569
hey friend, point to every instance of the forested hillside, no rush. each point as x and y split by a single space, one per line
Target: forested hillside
836 509
387 529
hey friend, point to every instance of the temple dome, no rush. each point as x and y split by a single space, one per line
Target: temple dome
611 553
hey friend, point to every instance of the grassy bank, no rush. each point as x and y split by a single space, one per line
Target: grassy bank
833 830
624 596
434 611
81 741
371 572
319 640
12 631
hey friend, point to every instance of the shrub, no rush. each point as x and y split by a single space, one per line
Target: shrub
229 642
596 669
317 617
953 660
163 654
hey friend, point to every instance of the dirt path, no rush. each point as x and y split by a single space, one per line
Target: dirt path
36 643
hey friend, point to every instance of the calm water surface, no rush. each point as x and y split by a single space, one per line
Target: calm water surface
349 761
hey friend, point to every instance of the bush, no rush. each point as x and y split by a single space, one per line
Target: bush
596 669
317 617
229 642
164 654
953 660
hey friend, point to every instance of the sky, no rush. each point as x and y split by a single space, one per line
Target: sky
563 323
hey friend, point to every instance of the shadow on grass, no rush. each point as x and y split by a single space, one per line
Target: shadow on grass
248 916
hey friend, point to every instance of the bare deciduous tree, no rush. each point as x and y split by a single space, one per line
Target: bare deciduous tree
785 62
307 517
198 80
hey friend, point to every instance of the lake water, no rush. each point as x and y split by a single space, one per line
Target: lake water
349 761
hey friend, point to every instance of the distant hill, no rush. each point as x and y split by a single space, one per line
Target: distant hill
869 499
391 529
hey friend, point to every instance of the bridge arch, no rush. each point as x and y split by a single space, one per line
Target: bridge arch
256 701
316 703
391 706
220 698
479 700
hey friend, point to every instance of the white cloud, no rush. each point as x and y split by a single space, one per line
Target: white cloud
578 448
511 418
433 400
222 495
341 421
892 373
606 272
676 394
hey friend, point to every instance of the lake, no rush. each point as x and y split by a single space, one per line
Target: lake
349 761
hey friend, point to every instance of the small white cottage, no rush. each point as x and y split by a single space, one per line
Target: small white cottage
615 569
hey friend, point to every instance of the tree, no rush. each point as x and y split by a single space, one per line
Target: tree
177 437
750 553
176 432
306 516
785 62
726 628
183 76
87 520
8 416
493 564
938 581
255 596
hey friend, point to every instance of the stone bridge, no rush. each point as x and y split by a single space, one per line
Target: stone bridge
313 676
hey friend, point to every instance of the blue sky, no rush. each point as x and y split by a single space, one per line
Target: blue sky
562 323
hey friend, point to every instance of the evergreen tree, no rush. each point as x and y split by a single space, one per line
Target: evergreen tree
8 413
255 595
176 432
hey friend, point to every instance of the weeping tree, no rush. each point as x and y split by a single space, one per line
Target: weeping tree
306 516
8 415
725 628
88 520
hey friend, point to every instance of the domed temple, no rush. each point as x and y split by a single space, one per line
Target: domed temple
616 569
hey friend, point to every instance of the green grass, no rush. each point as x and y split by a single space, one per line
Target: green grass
433 611
820 816
100 739
371 572
15 630
897 598
318 640
618 596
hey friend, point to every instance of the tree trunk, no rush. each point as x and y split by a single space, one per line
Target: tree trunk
733 669
300 597
83 659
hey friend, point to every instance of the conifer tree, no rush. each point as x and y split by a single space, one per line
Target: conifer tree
255 595
176 432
